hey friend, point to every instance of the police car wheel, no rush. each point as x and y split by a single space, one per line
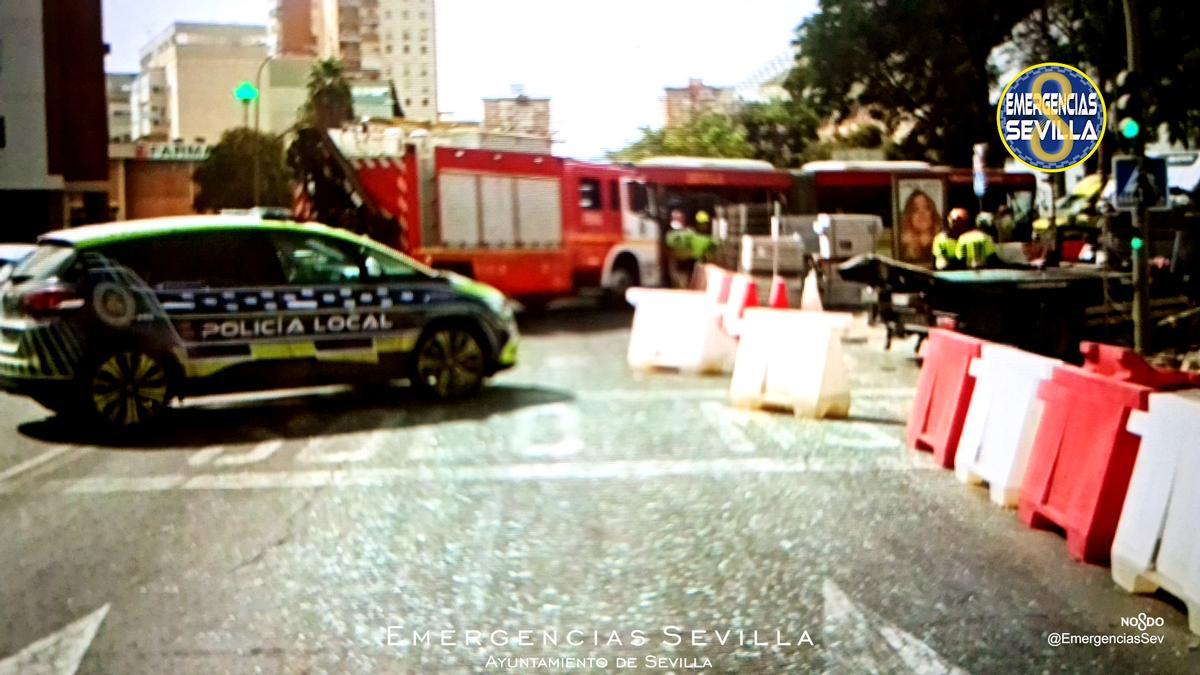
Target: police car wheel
449 362
126 389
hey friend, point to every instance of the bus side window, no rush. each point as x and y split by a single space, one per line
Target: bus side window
614 196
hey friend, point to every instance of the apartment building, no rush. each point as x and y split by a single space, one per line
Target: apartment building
378 42
517 114
683 103
188 74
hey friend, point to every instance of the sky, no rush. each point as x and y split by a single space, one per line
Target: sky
603 64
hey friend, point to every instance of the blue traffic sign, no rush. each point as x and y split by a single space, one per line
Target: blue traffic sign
1132 192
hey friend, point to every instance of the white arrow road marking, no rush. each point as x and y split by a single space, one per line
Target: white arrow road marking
855 646
261 452
59 653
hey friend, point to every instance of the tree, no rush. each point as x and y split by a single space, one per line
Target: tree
1092 36
226 179
329 103
918 66
708 135
781 132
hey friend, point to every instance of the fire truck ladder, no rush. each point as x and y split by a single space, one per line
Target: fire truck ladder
334 194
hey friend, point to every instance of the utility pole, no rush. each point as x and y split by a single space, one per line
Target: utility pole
1141 267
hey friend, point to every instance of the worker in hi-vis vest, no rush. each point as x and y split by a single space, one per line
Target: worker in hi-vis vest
975 249
945 244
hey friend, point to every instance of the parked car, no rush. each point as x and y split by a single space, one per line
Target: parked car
112 322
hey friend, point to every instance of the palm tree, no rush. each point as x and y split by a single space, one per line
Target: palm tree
329 101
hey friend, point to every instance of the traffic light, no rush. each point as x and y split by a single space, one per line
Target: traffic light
1126 110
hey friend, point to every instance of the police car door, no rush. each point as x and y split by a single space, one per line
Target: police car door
223 294
335 307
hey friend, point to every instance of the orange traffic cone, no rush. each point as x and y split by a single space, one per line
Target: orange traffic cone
779 294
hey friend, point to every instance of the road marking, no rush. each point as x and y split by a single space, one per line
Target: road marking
632 470
261 452
59 653
313 452
205 455
551 431
728 425
111 484
34 462
855 645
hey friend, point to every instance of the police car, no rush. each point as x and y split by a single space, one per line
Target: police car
112 322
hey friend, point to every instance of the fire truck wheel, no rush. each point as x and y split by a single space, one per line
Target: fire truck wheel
623 278
450 362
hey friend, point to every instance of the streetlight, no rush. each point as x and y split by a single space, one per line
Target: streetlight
257 117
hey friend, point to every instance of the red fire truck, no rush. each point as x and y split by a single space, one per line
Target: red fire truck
533 225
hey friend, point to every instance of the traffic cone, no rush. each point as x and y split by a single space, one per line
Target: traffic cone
810 299
779 291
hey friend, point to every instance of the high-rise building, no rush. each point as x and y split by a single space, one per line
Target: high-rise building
388 41
189 73
683 103
53 126
120 116
291 30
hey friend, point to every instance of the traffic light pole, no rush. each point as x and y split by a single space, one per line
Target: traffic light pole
1141 266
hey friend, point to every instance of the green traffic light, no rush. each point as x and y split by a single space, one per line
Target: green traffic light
245 92
1129 128
1137 243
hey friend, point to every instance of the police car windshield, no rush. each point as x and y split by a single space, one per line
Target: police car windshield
45 262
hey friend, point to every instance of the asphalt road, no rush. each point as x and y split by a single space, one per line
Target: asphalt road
346 530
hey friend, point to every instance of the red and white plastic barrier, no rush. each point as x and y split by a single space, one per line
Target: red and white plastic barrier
1156 544
1002 420
792 359
1082 458
943 394
743 294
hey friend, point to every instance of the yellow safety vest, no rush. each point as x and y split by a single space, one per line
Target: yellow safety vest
945 250
974 248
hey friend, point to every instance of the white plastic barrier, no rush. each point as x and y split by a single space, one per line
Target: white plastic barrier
792 359
717 282
1002 421
1156 544
678 329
